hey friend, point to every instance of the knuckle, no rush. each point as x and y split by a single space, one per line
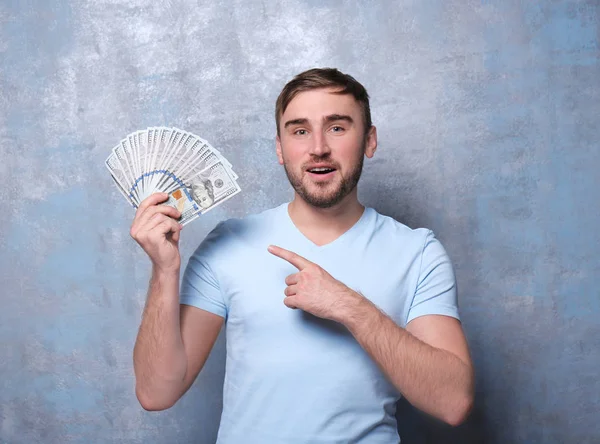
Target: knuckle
157 217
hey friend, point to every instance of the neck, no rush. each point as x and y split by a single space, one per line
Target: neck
323 225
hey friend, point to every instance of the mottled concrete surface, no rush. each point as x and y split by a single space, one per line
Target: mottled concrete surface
488 118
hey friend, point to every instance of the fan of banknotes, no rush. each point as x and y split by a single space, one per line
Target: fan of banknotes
194 174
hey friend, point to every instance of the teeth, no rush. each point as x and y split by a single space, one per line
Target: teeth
321 169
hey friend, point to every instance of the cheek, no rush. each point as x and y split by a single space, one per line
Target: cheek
349 163
292 154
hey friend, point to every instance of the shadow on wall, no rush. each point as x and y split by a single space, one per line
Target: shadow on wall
415 427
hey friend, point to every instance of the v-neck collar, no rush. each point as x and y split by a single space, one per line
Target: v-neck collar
344 237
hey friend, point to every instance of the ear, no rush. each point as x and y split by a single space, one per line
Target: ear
279 154
371 145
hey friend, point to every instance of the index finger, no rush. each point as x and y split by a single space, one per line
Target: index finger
295 259
153 199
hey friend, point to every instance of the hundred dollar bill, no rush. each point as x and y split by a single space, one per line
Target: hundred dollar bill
133 145
181 200
177 161
145 145
121 155
176 137
141 139
161 146
222 158
153 139
135 158
212 186
123 191
131 161
116 171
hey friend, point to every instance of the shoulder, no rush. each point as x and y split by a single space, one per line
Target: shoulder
419 245
395 233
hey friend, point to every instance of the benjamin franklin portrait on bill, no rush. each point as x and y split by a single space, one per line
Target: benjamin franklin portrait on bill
202 193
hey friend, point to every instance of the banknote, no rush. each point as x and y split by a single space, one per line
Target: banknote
195 175
181 200
212 186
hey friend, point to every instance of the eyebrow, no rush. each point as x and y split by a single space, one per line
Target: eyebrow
296 122
334 117
330 118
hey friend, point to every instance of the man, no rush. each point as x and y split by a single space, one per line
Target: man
332 310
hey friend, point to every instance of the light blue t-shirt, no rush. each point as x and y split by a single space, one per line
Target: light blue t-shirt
293 378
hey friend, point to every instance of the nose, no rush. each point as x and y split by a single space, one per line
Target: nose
319 147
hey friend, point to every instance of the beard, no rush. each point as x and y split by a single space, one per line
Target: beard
327 194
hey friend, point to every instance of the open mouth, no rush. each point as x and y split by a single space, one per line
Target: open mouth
321 170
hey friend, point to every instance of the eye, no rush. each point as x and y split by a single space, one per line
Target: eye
337 129
300 132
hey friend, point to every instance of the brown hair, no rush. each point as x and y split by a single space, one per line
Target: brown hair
317 78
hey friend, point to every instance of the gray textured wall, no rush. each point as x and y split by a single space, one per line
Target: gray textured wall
488 121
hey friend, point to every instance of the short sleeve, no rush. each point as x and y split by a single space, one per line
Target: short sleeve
436 286
200 284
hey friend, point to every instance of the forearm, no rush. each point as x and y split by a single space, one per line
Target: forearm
160 361
433 380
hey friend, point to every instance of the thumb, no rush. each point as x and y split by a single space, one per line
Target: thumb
176 235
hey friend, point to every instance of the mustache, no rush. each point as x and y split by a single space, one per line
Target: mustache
321 159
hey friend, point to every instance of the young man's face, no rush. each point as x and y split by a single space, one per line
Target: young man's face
321 145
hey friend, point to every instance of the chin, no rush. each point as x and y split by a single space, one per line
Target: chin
324 194
323 200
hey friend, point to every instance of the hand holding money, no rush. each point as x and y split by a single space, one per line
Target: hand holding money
156 230
193 174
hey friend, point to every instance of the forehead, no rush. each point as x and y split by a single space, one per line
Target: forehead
316 103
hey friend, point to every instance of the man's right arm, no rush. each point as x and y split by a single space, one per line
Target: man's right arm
174 340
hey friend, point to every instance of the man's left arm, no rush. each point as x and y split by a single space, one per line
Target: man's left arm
428 362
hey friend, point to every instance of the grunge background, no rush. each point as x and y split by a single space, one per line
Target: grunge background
488 120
